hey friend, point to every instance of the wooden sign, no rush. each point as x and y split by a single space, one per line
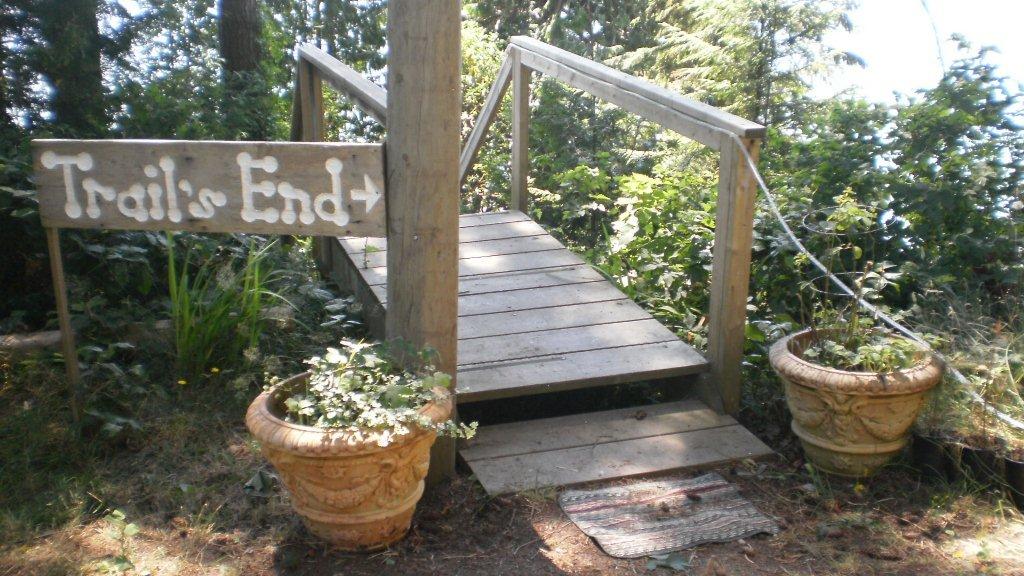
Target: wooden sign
295 188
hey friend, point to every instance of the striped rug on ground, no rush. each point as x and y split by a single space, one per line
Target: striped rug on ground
661 516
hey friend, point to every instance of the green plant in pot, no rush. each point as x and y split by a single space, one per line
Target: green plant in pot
853 400
854 389
351 439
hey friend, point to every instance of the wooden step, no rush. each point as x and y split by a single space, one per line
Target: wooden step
606 445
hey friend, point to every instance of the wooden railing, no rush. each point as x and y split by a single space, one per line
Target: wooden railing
706 124
313 66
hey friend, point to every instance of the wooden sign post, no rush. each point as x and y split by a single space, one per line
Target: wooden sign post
423 107
313 189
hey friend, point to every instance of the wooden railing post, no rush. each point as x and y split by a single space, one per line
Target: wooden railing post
311 95
730 275
520 199
422 152
308 126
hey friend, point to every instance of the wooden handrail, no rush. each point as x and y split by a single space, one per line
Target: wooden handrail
706 124
486 117
687 106
370 97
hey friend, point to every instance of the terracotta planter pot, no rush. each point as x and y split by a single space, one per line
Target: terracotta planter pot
850 423
348 490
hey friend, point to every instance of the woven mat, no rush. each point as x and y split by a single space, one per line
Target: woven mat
661 516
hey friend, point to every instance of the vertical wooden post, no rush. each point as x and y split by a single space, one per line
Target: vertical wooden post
67 336
730 275
308 126
520 199
422 170
311 94
296 133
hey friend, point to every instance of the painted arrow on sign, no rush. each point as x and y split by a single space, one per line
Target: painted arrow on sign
370 194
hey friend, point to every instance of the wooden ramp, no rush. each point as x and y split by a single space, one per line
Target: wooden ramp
535 318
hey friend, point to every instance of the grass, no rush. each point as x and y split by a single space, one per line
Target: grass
180 478
218 310
990 353
181 481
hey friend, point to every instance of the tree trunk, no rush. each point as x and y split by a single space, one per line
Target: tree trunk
71 63
239 34
247 101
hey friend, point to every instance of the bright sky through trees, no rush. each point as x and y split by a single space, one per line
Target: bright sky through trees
897 40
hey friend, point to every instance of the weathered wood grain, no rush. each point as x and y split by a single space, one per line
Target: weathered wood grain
617 459
311 98
519 198
67 334
539 297
531 298
499 231
539 319
375 257
631 102
730 277
292 188
524 346
512 439
424 101
369 97
489 264
516 280
627 83
578 370
489 218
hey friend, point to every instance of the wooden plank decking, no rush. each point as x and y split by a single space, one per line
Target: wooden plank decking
533 316
604 445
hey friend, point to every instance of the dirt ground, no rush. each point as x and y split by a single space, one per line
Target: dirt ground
184 490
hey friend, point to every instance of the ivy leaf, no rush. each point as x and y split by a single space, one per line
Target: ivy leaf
398 395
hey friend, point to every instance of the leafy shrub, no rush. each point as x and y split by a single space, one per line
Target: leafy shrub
216 309
365 386
863 349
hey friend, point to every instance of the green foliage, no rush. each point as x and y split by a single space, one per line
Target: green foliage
958 164
755 59
372 387
23 260
123 532
660 247
487 183
906 203
862 349
217 310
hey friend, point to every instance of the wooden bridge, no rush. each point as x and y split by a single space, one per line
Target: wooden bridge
534 318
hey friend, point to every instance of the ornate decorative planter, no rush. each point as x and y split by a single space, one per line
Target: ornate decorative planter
850 423
348 490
